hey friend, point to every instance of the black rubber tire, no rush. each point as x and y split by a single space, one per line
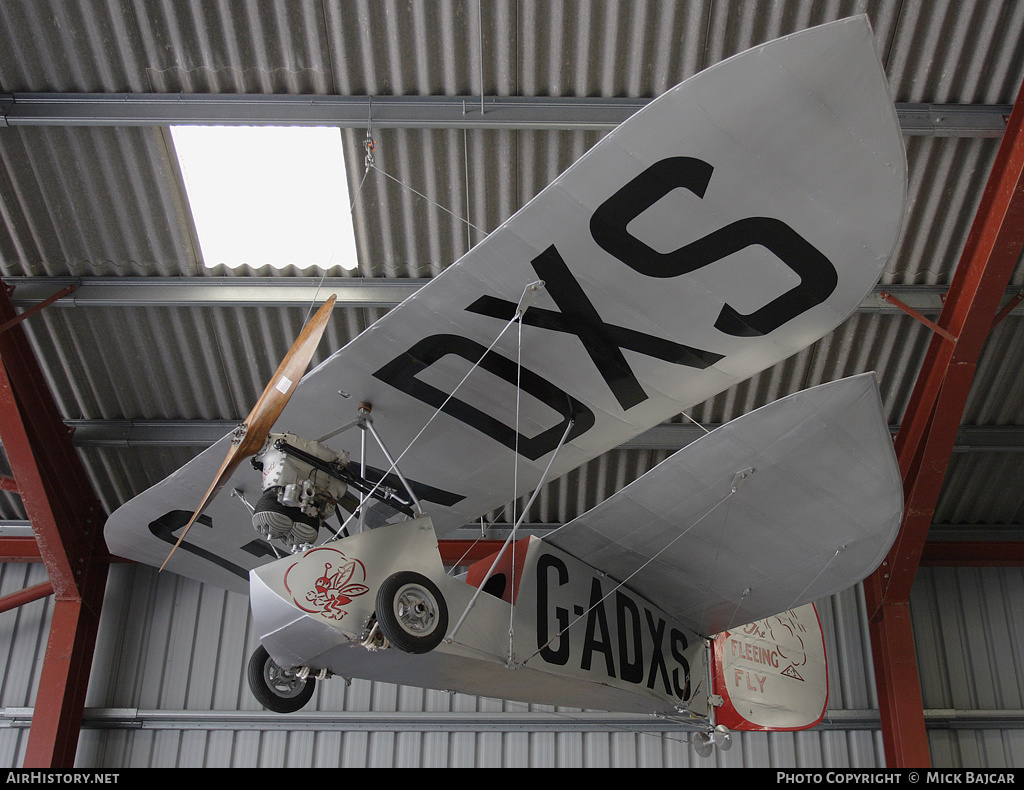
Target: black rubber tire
275 688
411 612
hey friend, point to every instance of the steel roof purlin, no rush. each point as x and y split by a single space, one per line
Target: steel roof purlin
410 112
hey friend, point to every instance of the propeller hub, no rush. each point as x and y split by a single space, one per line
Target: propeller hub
239 433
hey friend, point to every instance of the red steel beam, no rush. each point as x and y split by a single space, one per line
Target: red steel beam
36 308
23 549
974 554
899 688
60 701
65 514
28 595
67 520
917 316
18 549
928 431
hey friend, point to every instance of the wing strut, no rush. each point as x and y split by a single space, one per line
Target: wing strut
524 302
512 534
365 424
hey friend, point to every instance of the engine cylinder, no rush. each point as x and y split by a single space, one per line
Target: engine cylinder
272 523
303 533
275 520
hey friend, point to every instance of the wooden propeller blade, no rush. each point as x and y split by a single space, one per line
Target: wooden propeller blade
275 397
231 462
253 431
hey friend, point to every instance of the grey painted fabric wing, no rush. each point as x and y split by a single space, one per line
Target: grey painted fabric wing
729 224
789 503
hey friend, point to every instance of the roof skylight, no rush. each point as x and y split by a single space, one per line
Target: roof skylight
264 195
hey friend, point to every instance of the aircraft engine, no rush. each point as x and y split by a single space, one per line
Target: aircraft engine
301 488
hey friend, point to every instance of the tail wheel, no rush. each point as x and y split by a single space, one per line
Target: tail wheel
276 688
703 745
411 612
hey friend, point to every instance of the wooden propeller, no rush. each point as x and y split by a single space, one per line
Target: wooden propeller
249 436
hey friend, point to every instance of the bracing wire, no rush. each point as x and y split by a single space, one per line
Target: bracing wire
372 165
622 583
515 488
319 285
429 200
687 416
444 403
483 530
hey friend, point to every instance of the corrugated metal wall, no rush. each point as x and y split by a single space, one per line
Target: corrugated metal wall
23 634
969 638
168 690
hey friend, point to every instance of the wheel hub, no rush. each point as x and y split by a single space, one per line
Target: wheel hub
416 610
285 682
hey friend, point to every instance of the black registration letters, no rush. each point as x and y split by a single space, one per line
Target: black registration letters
818 277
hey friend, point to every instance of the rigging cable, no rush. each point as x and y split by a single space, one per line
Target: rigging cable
527 297
634 573
368 144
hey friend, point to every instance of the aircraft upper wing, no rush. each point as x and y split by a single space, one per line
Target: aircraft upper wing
787 504
727 225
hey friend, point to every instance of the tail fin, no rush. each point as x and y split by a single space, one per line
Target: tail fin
772 674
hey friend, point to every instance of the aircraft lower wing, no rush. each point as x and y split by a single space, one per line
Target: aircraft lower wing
729 224
787 504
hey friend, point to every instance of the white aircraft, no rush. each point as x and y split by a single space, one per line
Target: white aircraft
730 223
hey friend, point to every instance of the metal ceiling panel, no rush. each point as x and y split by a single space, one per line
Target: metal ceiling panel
85 201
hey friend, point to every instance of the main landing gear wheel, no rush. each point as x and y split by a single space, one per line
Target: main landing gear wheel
275 688
411 612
